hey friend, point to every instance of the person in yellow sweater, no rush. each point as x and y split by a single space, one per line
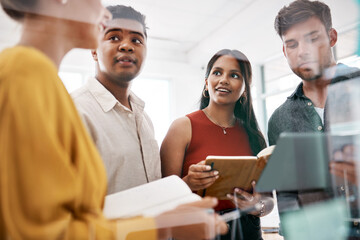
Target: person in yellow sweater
52 180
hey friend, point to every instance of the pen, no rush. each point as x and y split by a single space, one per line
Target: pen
211 165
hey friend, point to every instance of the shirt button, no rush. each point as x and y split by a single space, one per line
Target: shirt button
129 115
320 128
309 103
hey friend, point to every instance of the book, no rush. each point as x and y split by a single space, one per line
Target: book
149 200
235 172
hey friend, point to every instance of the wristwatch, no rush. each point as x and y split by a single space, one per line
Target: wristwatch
262 208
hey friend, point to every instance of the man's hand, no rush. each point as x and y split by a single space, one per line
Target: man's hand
344 169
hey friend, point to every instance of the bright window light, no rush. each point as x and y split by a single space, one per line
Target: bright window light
156 95
71 80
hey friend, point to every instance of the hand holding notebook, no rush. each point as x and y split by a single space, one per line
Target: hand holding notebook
235 172
200 176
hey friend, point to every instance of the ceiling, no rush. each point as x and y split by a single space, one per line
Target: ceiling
191 31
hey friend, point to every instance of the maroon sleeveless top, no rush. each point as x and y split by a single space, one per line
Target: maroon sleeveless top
208 138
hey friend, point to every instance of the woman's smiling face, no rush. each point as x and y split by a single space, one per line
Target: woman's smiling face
225 82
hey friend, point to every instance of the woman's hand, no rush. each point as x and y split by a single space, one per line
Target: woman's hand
255 203
244 200
200 176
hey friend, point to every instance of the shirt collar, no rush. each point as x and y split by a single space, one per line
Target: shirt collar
107 101
298 92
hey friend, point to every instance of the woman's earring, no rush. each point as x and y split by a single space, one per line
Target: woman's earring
64 2
243 99
204 93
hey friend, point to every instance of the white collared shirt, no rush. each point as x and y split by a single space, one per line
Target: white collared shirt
125 138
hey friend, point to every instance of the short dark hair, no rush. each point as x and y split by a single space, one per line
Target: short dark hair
15 8
300 11
243 108
127 12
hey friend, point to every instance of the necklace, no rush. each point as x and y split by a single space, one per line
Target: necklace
217 124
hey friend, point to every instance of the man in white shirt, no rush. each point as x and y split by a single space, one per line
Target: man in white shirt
113 114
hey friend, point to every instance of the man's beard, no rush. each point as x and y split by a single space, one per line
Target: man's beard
317 71
310 76
126 77
122 79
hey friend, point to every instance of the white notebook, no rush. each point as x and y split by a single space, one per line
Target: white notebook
150 199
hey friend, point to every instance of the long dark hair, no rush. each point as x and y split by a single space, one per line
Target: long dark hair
243 110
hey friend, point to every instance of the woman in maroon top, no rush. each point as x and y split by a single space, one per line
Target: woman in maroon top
224 125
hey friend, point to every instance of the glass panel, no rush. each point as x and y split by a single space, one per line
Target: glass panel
353 61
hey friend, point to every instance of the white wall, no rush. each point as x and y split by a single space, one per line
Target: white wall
186 84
